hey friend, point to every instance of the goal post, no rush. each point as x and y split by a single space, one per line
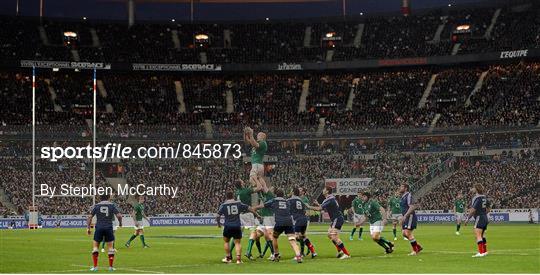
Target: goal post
33 217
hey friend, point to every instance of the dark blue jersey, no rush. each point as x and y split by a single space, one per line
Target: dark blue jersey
331 206
480 205
105 212
298 210
282 211
405 203
232 209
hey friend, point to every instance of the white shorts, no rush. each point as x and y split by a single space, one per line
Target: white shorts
396 217
269 222
256 170
248 220
138 225
359 219
460 217
376 227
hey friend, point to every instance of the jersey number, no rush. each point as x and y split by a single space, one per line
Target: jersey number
232 210
104 210
282 205
299 205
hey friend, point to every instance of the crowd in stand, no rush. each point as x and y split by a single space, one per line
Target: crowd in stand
381 37
510 182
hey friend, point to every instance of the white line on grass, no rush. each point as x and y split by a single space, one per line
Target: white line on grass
130 269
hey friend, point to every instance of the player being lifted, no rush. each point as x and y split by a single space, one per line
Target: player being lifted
408 206
479 210
377 219
284 223
105 211
459 210
394 213
231 210
258 150
138 216
331 206
298 212
358 216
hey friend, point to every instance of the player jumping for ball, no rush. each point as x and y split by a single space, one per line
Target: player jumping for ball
258 149
105 211
231 210
409 218
331 206
479 210
138 215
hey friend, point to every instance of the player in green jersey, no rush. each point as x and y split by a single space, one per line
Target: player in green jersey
268 223
376 215
138 216
358 216
258 150
247 220
459 211
394 213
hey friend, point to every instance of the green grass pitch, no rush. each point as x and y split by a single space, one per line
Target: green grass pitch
514 248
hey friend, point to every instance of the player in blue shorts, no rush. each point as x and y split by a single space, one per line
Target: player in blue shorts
298 212
479 210
284 223
331 206
231 210
105 211
408 205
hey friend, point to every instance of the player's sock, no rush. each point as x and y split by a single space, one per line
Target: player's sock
360 232
132 238
102 245
309 245
382 244
337 246
480 244
250 246
352 232
387 242
302 246
142 240
343 249
95 255
232 246
111 257
258 244
458 226
394 231
414 245
271 246
484 242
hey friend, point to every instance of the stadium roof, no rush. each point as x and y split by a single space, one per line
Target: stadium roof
222 1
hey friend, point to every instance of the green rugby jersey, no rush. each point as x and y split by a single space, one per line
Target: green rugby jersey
257 154
373 211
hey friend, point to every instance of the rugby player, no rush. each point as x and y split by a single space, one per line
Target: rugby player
105 211
358 216
479 210
138 216
258 150
284 223
377 219
394 213
459 210
331 206
298 212
408 205
231 210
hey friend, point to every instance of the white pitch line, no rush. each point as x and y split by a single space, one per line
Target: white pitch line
130 269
